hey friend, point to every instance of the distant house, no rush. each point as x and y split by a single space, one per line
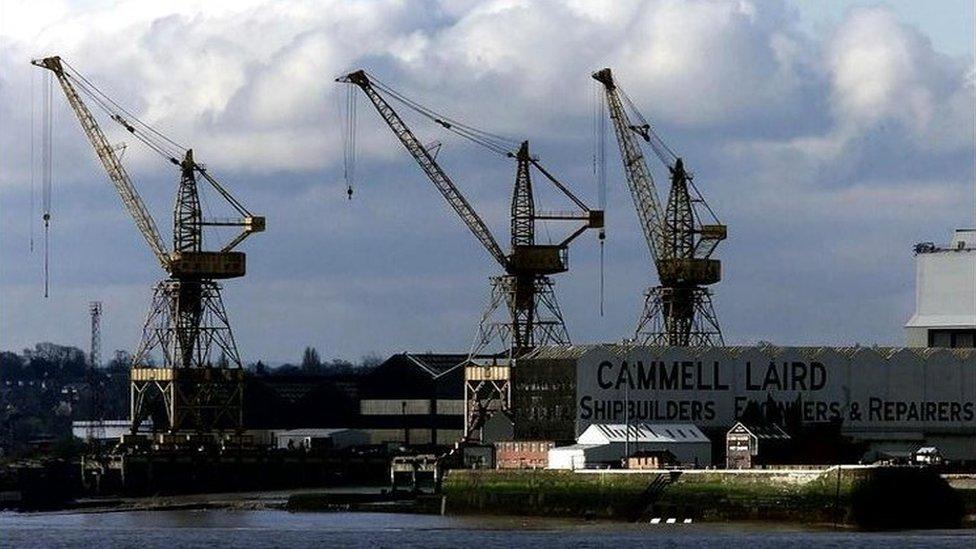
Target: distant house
607 445
927 455
523 454
650 459
744 442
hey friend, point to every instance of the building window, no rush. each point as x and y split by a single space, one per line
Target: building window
952 338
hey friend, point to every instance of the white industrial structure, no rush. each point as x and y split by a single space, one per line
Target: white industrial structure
945 294
602 445
108 431
318 439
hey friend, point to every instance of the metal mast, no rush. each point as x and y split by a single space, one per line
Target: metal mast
187 323
96 429
525 292
679 311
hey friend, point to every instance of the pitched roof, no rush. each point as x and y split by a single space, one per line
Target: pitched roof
604 433
764 431
575 352
436 365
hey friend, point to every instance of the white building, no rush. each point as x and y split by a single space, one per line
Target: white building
945 294
108 430
603 445
317 439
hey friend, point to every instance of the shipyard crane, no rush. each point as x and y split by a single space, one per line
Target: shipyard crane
199 385
526 290
679 311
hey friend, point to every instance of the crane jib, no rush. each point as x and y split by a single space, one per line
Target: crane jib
113 166
679 310
430 167
221 264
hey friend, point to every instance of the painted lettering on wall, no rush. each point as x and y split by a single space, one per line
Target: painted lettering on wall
716 392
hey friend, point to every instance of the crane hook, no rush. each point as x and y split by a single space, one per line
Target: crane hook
349 192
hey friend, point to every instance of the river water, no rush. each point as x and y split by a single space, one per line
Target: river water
269 528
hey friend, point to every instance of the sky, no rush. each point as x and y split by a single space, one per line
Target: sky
830 136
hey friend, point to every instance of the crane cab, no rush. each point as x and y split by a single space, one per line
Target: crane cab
538 259
713 232
689 271
207 265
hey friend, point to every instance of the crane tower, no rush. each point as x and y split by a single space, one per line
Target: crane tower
199 384
681 236
524 294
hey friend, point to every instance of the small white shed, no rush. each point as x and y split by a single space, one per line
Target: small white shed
605 445
575 456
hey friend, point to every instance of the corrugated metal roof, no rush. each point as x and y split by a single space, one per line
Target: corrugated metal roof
436 364
573 352
941 321
558 352
605 433
575 447
764 432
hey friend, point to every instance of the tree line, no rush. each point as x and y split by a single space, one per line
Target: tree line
45 388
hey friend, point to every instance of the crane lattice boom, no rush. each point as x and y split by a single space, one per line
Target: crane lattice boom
113 166
430 166
187 322
187 258
639 180
679 311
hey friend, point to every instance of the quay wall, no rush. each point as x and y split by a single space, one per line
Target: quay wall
869 497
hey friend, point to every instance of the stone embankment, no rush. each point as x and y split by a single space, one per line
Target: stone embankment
867 497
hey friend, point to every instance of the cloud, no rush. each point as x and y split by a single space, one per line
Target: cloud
883 70
827 153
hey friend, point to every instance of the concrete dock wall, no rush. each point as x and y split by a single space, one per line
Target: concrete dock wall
815 496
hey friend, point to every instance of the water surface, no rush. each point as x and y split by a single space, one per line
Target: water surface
267 528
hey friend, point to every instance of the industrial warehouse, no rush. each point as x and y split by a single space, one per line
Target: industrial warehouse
670 397
914 397
890 398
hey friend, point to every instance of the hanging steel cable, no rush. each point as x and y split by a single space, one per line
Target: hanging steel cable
660 148
149 136
47 164
600 173
152 138
349 125
187 322
33 164
498 144
155 140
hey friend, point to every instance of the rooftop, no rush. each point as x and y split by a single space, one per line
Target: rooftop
605 433
436 364
963 240
620 350
763 432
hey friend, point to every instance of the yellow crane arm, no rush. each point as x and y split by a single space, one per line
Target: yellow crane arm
110 161
430 166
642 189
